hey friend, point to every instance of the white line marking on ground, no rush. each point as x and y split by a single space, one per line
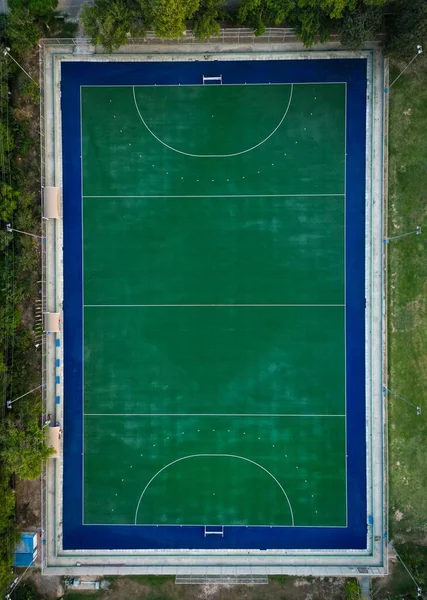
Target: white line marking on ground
213 305
215 456
232 196
83 299
213 155
266 83
207 415
345 309
226 525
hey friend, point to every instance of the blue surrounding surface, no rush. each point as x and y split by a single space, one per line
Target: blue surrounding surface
75 74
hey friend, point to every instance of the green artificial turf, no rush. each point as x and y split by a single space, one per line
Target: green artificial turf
214 318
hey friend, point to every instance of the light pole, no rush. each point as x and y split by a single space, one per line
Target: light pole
416 231
419 51
6 52
10 229
419 590
10 402
386 391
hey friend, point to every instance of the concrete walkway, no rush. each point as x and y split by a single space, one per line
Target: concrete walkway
366 587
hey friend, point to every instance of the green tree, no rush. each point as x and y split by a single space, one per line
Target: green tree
22 32
168 17
22 447
8 200
8 534
111 22
259 14
25 591
352 590
406 27
6 146
312 23
331 8
5 567
37 8
314 20
7 505
360 25
206 19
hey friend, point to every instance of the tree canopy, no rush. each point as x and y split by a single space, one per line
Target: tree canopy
22 447
406 27
360 25
111 22
206 20
168 17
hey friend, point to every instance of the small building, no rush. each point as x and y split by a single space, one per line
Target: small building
26 550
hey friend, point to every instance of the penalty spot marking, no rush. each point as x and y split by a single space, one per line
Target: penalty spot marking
213 155
215 456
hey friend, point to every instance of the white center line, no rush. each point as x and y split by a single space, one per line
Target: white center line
208 415
228 196
211 305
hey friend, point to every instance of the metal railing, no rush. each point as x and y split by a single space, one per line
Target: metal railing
43 306
230 35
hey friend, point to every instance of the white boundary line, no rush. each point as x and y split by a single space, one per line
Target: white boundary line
83 317
345 307
268 526
232 196
266 83
214 155
214 305
271 415
215 456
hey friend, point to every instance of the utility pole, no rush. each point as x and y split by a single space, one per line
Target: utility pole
6 52
10 402
419 51
416 231
386 391
419 590
10 229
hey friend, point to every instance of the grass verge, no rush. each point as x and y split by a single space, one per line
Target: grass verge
407 323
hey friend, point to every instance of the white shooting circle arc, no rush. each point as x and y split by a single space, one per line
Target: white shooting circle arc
213 155
219 456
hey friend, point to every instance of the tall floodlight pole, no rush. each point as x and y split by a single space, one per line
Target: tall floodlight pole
10 402
6 52
17 581
419 51
386 391
416 231
419 590
10 229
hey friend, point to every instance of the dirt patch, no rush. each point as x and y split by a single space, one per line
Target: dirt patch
50 587
285 588
28 503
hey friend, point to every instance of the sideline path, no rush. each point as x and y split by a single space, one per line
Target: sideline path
366 587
